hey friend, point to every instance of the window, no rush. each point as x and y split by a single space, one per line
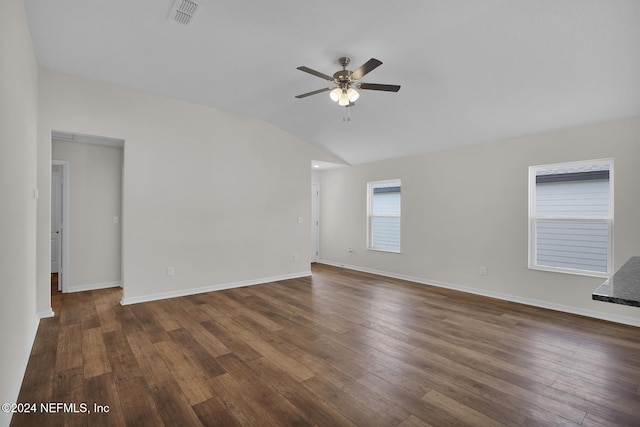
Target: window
383 215
571 217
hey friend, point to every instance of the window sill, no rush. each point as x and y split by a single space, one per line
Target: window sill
570 271
393 251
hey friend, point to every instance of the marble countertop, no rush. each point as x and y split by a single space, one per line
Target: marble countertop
623 287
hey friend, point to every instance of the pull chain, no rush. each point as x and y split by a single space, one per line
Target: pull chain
346 117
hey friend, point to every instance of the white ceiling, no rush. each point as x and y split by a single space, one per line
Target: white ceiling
471 70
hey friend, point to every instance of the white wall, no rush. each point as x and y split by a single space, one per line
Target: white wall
212 194
18 122
94 198
466 208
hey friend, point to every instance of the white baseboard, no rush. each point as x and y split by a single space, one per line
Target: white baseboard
5 417
204 289
506 297
93 286
46 313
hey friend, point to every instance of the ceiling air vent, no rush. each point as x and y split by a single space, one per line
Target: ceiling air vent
183 11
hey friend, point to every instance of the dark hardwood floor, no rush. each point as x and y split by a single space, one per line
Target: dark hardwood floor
340 349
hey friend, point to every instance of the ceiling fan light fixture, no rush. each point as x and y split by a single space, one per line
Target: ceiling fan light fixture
335 94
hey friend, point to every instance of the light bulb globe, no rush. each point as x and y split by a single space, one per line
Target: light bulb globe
352 94
335 94
344 98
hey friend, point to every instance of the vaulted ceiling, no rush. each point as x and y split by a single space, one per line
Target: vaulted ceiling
470 70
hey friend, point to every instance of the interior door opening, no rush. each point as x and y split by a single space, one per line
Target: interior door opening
87 182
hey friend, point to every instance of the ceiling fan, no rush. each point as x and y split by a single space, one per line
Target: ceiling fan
345 93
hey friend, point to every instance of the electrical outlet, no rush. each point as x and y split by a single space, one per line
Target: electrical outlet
171 272
295 258
483 271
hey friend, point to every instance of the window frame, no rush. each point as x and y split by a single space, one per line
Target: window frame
533 219
370 187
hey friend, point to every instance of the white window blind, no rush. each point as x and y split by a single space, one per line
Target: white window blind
571 217
384 215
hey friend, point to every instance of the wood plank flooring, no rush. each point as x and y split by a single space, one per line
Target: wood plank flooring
342 348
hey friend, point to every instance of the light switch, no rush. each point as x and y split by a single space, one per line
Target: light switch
300 220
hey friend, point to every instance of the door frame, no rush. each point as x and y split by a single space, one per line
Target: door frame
315 222
56 227
64 252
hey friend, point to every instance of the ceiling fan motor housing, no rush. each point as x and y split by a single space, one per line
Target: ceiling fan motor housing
344 75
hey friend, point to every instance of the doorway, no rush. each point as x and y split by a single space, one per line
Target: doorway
86 212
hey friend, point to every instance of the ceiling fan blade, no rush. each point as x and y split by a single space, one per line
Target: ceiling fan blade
367 67
315 73
304 95
376 86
